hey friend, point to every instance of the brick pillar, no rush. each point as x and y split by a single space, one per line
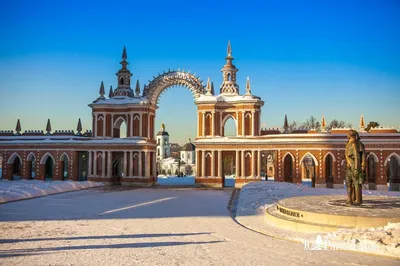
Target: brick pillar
28 170
59 175
42 171
9 171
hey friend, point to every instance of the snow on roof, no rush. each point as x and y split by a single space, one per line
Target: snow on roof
71 140
228 98
121 100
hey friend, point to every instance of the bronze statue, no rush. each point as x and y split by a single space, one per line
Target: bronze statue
355 175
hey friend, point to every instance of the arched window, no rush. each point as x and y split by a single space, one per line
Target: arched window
229 127
120 128
121 81
328 168
288 168
371 169
228 76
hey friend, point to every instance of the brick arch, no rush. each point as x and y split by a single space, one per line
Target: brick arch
288 169
45 157
376 159
63 156
390 155
330 153
29 157
11 159
312 156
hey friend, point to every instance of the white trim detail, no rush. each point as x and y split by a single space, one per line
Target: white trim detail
12 158
333 156
312 156
45 157
390 155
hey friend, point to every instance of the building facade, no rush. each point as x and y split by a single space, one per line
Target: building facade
102 155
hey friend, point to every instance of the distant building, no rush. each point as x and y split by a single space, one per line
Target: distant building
175 150
163 147
188 158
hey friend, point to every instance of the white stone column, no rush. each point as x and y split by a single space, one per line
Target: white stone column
104 125
94 163
213 164
148 125
219 164
220 124
253 163
140 125
112 126
125 162
140 172
109 164
90 168
146 164
237 174
198 124
103 164
243 124
204 124
131 163
95 124
259 164
131 125
213 123
243 158
203 163
252 123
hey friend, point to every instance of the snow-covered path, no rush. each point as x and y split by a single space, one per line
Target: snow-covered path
123 226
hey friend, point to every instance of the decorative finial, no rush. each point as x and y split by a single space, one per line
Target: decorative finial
111 93
79 127
101 91
162 127
248 88
362 124
124 55
18 128
137 90
323 124
229 49
48 127
286 125
208 88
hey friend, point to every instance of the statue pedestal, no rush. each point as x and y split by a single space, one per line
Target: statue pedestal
311 214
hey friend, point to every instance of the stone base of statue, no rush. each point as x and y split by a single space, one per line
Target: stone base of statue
311 214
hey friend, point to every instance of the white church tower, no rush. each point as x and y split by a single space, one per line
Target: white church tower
163 147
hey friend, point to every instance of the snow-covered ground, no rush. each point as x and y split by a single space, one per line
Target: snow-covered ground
25 189
256 197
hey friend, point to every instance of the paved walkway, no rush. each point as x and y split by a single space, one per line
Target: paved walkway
123 226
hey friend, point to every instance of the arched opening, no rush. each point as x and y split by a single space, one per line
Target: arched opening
208 164
16 162
228 169
31 166
49 168
118 168
308 171
176 110
229 77
120 129
371 170
393 173
64 167
247 124
288 168
329 171
247 164
121 81
208 125
229 127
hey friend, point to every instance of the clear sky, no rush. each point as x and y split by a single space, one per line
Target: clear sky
339 58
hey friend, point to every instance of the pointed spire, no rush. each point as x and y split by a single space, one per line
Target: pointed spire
111 93
137 90
18 128
229 49
101 91
248 88
124 55
323 124
208 88
79 127
362 124
212 88
48 127
285 126
162 127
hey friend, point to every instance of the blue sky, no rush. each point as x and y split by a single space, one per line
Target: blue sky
337 58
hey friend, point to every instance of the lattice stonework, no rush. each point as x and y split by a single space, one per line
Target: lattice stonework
169 79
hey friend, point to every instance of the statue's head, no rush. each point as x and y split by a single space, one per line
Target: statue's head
353 134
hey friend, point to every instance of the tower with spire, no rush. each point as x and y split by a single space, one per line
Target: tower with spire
323 124
362 124
124 78
229 86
